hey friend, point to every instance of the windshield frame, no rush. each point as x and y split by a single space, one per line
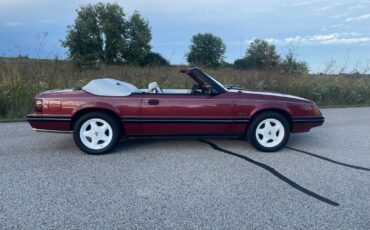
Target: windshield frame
201 77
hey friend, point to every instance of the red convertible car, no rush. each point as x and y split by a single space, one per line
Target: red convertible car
104 110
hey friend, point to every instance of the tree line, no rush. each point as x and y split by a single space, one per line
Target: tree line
102 33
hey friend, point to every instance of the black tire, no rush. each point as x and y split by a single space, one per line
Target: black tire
115 127
258 121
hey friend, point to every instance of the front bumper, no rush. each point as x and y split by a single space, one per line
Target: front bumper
304 124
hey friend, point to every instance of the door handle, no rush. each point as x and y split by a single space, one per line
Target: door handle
152 101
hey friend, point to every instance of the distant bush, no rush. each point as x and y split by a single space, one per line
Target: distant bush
291 66
154 59
241 64
263 56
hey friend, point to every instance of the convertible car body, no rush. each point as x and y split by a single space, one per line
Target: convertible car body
104 110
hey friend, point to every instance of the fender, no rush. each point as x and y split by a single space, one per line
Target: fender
96 105
271 106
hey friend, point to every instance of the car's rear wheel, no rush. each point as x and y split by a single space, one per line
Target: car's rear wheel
96 133
269 131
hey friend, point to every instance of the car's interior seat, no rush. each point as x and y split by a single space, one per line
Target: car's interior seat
153 87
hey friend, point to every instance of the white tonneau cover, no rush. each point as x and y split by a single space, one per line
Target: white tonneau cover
110 87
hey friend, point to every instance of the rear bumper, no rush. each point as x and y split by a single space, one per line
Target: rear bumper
304 124
50 123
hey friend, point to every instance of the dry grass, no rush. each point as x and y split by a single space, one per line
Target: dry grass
21 79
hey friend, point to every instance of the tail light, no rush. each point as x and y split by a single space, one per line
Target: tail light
38 105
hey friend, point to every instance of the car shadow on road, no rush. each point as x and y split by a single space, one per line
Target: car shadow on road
328 159
125 145
273 172
284 178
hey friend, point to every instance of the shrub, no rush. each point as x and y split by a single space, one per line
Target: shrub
154 59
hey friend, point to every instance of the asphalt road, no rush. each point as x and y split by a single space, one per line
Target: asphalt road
321 182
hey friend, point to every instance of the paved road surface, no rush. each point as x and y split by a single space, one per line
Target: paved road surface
321 182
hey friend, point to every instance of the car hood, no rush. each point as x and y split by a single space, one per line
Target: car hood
267 93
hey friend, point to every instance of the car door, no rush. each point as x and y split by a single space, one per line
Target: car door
184 114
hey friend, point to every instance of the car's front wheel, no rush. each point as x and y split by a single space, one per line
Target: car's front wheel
96 133
269 131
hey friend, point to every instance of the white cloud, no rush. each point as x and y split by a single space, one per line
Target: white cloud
301 3
330 39
320 39
324 8
359 18
336 26
272 40
295 39
339 15
13 24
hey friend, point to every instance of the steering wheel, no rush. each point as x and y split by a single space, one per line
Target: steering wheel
193 88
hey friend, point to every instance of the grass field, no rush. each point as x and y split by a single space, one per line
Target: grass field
22 78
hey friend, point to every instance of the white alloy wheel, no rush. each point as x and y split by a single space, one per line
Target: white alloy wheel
96 133
270 133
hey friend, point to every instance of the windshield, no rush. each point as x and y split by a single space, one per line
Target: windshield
205 81
217 82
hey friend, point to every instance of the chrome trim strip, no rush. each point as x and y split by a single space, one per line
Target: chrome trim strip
51 131
48 115
183 120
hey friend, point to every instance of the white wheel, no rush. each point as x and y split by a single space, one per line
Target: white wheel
270 133
96 133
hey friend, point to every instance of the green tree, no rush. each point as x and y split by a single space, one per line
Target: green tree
206 50
101 33
260 55
291 65
139 37
114 31
84 39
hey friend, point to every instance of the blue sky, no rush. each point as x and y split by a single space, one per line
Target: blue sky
318 31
